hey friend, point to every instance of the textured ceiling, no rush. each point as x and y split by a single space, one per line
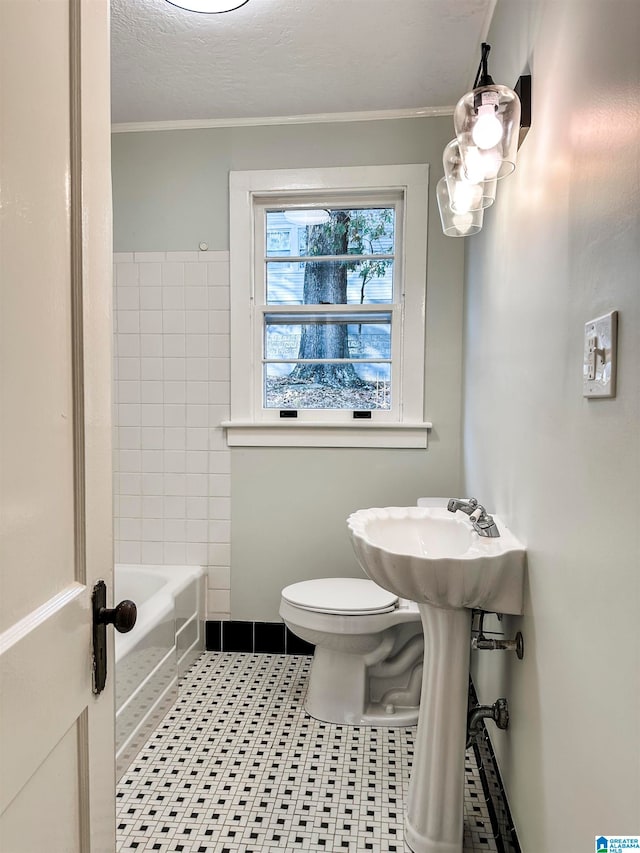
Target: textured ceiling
292 57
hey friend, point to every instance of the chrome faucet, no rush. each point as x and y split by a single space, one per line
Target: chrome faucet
482 522
469 506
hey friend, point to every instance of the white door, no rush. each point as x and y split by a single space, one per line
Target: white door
56 737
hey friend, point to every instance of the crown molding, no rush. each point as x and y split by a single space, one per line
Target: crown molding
315 118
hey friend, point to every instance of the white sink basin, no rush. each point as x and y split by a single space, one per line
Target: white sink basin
430 555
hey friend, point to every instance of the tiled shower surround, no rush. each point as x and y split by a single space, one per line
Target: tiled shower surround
171 393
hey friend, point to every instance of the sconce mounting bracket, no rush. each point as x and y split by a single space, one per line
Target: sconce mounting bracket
523 91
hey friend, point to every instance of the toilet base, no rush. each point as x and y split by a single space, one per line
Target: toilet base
337 693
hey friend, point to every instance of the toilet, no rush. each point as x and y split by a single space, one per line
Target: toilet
367 664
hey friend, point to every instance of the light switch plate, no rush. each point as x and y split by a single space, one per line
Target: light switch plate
599 363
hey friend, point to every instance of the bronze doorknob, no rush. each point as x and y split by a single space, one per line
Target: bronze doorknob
123 616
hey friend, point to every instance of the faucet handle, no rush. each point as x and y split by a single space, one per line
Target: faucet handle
484 523
468 506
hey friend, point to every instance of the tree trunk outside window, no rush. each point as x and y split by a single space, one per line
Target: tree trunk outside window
325 283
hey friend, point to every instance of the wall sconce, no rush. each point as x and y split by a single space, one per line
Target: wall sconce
491 123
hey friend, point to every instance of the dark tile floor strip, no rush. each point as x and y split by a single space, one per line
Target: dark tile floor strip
238 767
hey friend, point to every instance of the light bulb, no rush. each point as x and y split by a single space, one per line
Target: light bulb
480 165
466 196
487 130
463 222
473 164
456 224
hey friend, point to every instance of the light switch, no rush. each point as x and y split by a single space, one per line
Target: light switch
599 363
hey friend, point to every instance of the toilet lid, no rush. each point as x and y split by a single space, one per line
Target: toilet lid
340 596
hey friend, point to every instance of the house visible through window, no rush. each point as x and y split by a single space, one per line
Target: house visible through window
328 297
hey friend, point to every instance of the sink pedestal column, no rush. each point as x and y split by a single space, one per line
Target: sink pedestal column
434 816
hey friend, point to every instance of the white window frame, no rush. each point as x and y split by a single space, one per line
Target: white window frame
250 193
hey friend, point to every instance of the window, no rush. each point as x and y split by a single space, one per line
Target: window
324 347
328 276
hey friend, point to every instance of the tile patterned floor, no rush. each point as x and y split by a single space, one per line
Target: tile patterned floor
238 767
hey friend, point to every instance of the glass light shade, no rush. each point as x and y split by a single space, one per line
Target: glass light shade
487 124
465 193
208 7
456 224
483 165
307 217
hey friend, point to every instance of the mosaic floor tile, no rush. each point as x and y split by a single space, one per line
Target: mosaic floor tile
238 767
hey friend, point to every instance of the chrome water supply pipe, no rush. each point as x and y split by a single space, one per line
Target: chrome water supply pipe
480 642
498 712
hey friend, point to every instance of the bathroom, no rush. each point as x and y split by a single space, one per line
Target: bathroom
504 335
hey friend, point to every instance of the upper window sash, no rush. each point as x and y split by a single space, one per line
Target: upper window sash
288 265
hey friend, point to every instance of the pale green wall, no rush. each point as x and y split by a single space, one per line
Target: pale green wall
560 247
288 506
171 188
289 509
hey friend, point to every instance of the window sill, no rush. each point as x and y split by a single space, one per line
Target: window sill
310 434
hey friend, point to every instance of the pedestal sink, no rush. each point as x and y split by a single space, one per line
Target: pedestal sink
437 559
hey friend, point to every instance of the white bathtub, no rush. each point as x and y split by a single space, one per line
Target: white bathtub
151 659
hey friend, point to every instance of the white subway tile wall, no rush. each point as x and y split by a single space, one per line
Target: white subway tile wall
171 481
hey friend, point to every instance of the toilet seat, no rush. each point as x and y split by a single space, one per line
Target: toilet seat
340 596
